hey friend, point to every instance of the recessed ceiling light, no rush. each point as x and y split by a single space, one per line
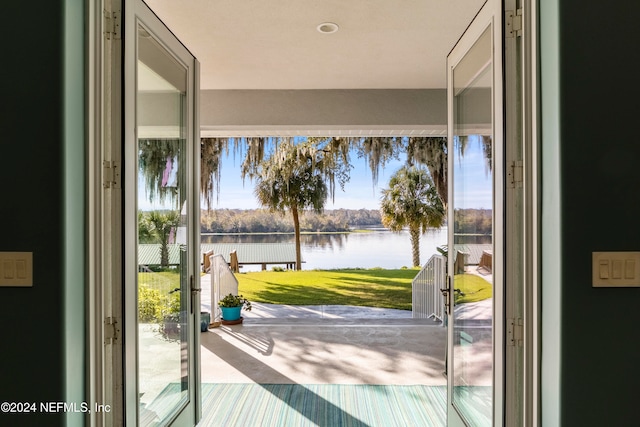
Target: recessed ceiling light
327 28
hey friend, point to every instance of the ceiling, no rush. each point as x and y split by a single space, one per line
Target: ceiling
258 44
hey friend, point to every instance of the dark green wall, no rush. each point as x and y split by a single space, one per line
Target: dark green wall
600 174
35 210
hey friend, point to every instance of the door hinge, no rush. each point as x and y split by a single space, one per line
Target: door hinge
110 174
111 331
513 23
515 332
112 24
515 174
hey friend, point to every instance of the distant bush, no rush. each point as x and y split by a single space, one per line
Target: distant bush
277 268
173 305
153 306
150 305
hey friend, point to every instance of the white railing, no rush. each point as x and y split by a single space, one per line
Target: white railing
427 300
223 282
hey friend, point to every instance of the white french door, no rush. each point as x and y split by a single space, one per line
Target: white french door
161 223
475 359
488 241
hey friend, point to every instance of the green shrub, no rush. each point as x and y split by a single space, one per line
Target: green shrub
150 304
173 303
153 305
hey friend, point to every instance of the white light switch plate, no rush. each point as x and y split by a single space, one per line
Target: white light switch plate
16 268
616 269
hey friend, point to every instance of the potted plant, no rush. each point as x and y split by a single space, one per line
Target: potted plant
205 320
231 305
171 326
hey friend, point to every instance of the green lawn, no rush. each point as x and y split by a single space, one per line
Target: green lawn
472 288
164 281
361 287
371 287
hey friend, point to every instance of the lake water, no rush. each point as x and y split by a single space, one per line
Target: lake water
374 248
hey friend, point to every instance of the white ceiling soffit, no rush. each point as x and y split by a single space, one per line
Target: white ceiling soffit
380 44
291 131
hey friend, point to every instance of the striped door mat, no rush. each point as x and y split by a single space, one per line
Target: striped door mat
296 405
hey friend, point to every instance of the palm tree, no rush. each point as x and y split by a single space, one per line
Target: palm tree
293 178
412 201
145 235
160 226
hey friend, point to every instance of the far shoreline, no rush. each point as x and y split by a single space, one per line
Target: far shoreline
287 233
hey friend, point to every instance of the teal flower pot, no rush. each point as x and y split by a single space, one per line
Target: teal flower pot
205 319
231 313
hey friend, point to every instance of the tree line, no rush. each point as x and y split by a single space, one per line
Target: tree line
155 226
473 221
264 221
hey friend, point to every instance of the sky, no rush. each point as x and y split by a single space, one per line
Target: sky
473 185
359 192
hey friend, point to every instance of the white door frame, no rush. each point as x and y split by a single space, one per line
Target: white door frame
136 13
105 346
489 17
104 316
517 349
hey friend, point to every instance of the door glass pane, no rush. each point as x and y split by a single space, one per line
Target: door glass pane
473 196
163 288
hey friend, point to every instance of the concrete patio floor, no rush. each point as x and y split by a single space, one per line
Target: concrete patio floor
327 344
315 352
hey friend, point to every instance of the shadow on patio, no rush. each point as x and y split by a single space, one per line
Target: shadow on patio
337 372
